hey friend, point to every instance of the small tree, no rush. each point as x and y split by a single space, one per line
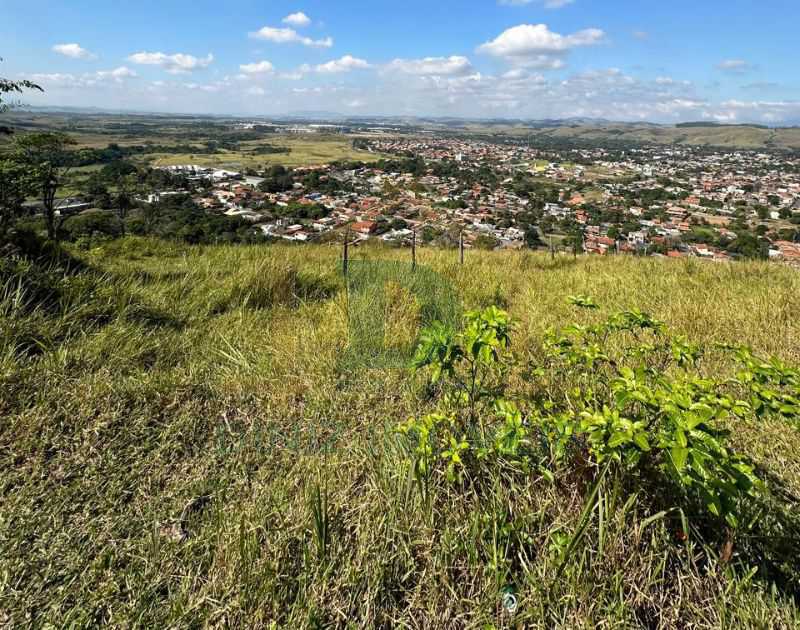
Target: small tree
16 183
532 238
127 186
47 155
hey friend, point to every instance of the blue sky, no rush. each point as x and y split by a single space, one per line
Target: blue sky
722 60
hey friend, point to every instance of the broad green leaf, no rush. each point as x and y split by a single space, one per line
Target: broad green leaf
679 457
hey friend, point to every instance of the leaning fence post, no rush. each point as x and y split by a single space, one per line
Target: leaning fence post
413 250
552 251
345 253
461 246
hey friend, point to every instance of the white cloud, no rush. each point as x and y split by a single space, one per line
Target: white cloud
298 19
256 91
537 46
289 36
538 39
74 51
259 67
118 74
85 80
443 66
738 66
517 74
762 111
174 64
345 64
55 79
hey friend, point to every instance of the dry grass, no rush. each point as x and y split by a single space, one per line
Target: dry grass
303 151
166 425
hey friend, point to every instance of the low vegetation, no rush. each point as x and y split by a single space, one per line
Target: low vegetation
187 439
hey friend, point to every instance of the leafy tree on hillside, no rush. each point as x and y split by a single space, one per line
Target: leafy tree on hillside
127 187
16 184
277 179
97 190
47 155
532 238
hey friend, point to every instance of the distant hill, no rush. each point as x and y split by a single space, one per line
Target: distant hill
754 137
579 131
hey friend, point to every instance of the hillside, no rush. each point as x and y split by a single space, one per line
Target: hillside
718 136
99 129
186 444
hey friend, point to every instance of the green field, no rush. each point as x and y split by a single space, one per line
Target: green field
303 151
98 131
182 446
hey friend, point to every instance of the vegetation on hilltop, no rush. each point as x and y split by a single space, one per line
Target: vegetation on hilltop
184 446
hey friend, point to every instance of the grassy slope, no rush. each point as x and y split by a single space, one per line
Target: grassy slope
204 383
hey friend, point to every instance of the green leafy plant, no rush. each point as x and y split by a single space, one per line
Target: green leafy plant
473 420
648 409
773 386
583 301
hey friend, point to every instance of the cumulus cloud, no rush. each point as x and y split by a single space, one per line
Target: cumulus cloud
123 72
278 35
443 66
298 19
75 51
761 111
178 63
85 80
536 45
344 64
259 67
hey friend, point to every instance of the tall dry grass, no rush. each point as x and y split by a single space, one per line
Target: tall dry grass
169 418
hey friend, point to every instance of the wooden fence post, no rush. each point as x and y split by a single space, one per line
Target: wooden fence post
345 254
413 250
461 246
552 251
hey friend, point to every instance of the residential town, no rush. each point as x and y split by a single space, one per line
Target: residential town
673 202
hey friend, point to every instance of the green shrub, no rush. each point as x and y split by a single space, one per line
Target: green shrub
637 406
